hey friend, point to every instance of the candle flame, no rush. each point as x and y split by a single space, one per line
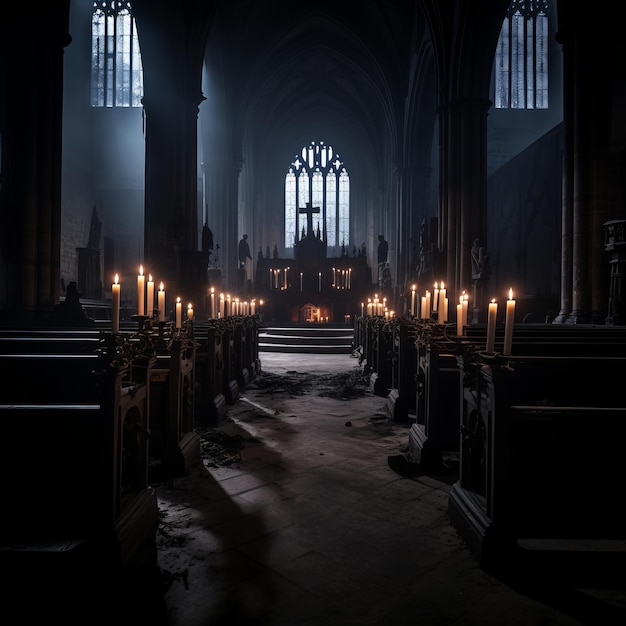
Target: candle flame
436 285
178 300
190 306
141 270
493 299
149 278
117 278
413 287
510 294
161 286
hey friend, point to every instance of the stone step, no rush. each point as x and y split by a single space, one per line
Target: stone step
303 339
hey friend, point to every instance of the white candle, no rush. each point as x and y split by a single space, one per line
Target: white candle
465 308
443 316
436 298
212 302
150 299
252 307
141 295
319 276
491 326
115 306
362 308
423 308
220 308
161 303
179 313
413 300
190 311
508 327
428 309
300 281
459 319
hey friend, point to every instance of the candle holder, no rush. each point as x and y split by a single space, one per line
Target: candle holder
141 320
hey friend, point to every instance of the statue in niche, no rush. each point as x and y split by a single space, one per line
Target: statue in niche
481 266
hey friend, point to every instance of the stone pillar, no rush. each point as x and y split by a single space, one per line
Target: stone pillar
463 203
30 209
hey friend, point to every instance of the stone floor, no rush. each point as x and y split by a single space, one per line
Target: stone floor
308 524
295 518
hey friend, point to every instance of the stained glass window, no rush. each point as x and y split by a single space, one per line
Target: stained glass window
318 176
521 63
116 70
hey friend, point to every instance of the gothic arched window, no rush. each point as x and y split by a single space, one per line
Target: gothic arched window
116 70
317 177
521 69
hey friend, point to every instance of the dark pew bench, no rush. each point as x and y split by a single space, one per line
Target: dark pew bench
74 460
174 443
541 453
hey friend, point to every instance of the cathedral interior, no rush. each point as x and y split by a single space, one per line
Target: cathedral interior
143 140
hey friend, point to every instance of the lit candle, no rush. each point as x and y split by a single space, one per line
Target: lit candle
413 300
508 328
465 308
436 298
141 295
491 325
334 277
459 319
220 308
252 307
319 276
115 306
443 316
150 299
300 281
212 302
428 309
349 278
161 303
362 308
179 313
423 308
190 311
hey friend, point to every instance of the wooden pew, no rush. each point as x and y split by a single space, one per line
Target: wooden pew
380 352
74 456
541 453
401 399
174 443
210 404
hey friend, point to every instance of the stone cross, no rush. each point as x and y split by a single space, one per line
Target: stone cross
309 210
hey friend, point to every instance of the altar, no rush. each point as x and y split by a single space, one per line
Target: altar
311 287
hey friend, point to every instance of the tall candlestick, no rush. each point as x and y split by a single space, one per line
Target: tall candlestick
150 298
161 303
508 328
179 313
491 326
141 295
115 306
